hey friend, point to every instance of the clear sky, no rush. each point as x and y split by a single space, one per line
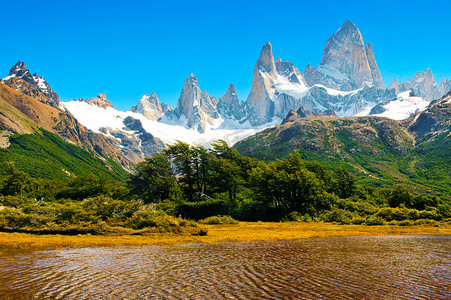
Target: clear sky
127 48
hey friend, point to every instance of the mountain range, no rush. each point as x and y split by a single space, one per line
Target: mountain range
347 83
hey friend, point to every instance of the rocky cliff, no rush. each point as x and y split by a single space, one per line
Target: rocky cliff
346 52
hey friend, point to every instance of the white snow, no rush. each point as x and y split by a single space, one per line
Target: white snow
404 106
285 86
95 118
41 83
8 77
334 92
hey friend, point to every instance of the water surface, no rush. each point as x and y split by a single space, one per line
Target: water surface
389 267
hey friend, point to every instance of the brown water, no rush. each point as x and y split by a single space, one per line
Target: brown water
389 267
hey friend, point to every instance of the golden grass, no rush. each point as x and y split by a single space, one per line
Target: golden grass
244 231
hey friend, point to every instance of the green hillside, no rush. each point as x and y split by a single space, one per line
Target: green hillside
46 155
380 152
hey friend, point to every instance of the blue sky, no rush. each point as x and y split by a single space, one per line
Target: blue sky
127 48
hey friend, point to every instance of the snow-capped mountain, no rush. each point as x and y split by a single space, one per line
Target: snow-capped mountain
422 85
138 136
346 83
20 71
195 108
276 88
151 107
348 80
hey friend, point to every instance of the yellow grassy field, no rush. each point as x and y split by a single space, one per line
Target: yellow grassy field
244 231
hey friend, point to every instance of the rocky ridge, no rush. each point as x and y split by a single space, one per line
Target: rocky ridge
38 83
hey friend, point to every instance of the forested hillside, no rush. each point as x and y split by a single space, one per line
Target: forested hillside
379 151
195 183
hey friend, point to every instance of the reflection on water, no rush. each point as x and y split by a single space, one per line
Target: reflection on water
320 268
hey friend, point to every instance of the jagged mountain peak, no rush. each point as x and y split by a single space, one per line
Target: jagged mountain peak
195 106
346 51
231 89
347 30
349 25
151 107
100 100
19 71
192 78
18 67
423 85
152 98
394 86
230 98
266 62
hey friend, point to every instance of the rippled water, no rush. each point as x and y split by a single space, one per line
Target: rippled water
394 267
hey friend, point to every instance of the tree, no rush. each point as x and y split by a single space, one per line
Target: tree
400 196
154 179
181 155
344 183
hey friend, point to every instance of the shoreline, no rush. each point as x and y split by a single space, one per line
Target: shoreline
242 232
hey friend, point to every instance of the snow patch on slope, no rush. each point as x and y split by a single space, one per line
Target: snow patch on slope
285 86
403 106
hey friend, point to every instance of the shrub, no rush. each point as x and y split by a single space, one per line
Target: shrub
427 222
149 216
374 220
218 220
203 209
406 223
358 220
338 215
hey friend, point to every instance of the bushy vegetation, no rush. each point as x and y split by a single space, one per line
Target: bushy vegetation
216 186
84 204
197 183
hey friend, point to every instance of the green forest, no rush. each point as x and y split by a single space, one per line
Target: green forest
172 190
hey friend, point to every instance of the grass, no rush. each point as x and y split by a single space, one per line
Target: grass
244 231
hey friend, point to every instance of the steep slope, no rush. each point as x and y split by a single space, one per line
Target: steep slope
45 155
120 129
347 63
27 143
375 73
115 126
55 120
430 161
348 81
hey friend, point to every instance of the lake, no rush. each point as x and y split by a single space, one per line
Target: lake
389 267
